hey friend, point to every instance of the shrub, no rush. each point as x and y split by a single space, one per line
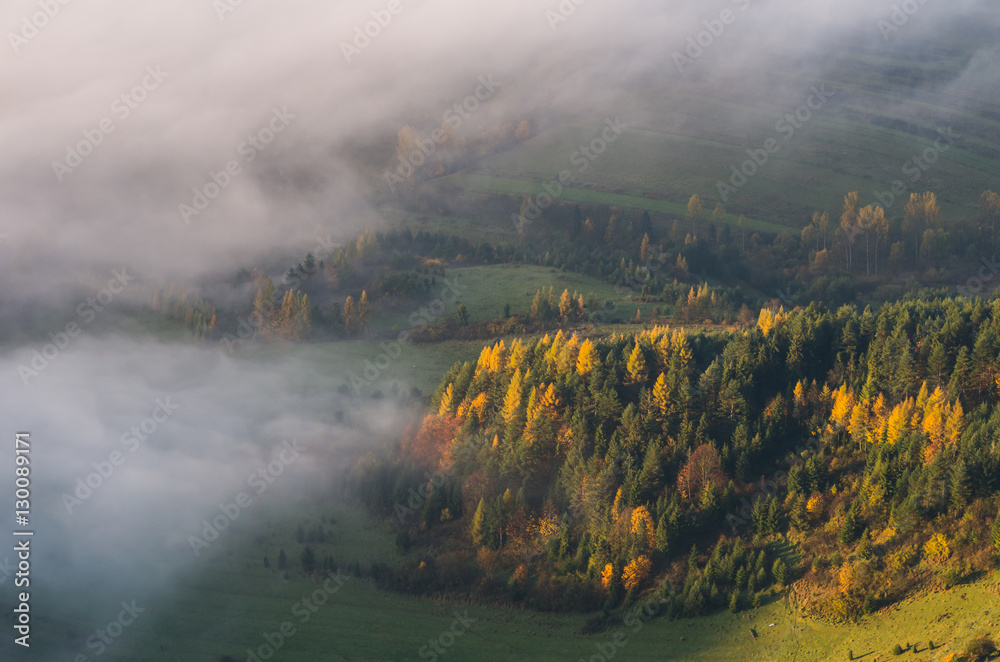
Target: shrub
902 558
980 648
950 577
937 548
897 650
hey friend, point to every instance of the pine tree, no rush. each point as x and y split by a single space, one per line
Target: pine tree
283 321
350 316
364 313
477 526
800 516
303 324
780 572
664 535
565 305
308 559
694 211
849 530
263 311
636 366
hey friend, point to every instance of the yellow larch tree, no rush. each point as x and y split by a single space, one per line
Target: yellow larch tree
565 305
446 405
899 421
608 575
512 400
843 406
636 366
516 354
642 522
798 395
661 398
586 359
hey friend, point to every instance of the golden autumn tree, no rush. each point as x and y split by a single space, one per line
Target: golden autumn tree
935 414
765 321
899 421
608 575
565 305
447 407
642 525
661 398
364 313
636 366
586 359
843 406
798 395
636 572
512 400
349 316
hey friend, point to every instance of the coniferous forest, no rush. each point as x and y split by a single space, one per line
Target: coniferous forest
571 473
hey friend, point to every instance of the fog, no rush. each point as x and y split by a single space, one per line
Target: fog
222 70
135 444
199 77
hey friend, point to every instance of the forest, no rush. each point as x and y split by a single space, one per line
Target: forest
569 472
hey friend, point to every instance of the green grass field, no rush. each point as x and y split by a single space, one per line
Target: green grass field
228 601
683 138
